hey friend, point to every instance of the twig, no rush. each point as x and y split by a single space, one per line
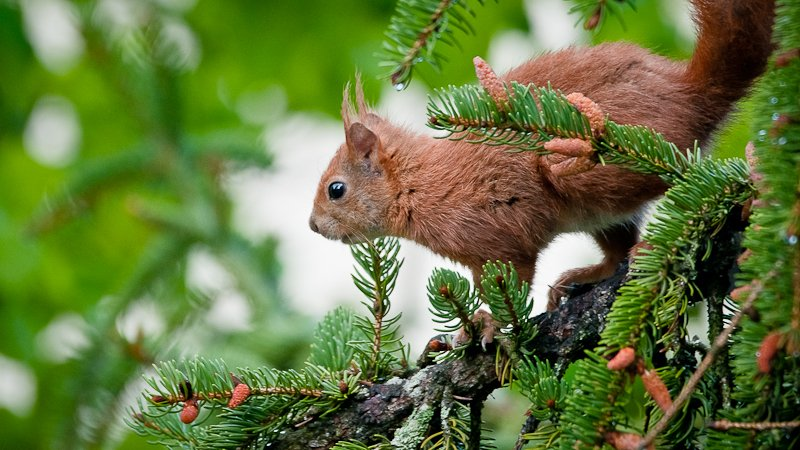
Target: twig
719 343
758 426
419 43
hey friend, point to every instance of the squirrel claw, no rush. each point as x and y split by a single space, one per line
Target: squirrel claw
555 297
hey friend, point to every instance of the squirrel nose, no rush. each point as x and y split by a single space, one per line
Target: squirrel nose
313 225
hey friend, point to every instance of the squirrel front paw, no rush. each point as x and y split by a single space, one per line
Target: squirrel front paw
484 323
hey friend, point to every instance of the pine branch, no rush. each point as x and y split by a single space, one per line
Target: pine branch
89 182
665 271
451 299
538 381
725 425
720 342
375 277
646 151
594 13
532 116
506 295
271 401
766 370
331 344
529 117
589 413
416 27
662 278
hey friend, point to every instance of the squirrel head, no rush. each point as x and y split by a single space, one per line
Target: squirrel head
354 193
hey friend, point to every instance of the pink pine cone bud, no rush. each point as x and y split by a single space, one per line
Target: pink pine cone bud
657 389
756 176
622 359
590 109
239 395
767 351
625 441
490 82
189 412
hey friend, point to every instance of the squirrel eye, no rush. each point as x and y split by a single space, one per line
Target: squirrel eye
336 190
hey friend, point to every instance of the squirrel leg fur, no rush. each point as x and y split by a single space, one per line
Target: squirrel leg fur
615 242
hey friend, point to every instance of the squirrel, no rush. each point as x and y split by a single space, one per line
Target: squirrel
472 202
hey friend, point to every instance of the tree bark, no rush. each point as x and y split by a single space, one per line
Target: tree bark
563 336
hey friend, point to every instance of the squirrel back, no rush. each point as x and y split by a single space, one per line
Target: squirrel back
685 101
474 203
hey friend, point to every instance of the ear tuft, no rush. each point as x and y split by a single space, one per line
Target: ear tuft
360 110
361 102
348 112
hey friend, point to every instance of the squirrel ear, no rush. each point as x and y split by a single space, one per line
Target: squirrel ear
363 143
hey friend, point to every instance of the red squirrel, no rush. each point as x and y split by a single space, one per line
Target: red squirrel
473 202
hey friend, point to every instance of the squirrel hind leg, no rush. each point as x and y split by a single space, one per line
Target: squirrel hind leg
615 242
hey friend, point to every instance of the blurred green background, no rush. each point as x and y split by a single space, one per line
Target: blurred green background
121 122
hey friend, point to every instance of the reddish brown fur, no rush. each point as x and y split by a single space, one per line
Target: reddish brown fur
474 204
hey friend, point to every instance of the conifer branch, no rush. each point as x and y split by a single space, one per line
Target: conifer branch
595 12
532 118
375 277
418 25
253 405
764 371
691 210
661 280
172 431
506 295
757 426
82 191
224 395
589 414
414 30
331 345
538 381
720 342
451 298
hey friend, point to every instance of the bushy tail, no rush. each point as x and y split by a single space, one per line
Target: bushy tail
733 44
